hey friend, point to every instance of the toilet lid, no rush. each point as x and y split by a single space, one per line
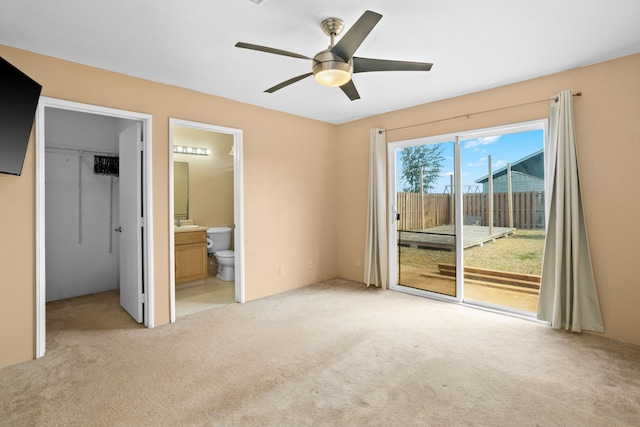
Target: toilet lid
218 230
225 254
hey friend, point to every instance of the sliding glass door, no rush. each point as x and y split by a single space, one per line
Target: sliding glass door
425 204
503 217
468 216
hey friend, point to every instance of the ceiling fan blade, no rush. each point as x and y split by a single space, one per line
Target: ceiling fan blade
287 83
362 65
350 90
346 47
270 50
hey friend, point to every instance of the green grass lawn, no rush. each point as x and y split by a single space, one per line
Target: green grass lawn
519 253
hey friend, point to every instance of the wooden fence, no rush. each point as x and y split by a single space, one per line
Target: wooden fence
432 210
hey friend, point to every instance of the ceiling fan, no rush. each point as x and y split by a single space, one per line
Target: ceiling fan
334 66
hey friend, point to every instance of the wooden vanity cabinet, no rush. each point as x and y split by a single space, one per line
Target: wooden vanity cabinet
190 256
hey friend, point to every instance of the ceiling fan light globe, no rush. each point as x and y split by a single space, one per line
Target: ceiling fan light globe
330 70
333 78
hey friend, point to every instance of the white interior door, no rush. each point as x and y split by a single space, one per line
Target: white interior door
131 284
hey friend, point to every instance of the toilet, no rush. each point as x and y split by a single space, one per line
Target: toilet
219 244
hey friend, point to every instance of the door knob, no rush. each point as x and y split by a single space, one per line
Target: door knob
119 229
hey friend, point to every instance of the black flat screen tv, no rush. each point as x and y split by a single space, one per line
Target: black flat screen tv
19 96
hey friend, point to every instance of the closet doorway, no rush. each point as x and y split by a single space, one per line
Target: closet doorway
93 207
205 172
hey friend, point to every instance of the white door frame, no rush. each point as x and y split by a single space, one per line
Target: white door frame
238 207
40 207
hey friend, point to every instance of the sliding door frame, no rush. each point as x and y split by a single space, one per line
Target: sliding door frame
393 214
457 137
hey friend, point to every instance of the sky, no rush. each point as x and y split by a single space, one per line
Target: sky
474 154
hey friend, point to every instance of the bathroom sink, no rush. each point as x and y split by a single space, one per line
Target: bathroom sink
182 227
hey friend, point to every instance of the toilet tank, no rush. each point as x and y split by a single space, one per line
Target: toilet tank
218 239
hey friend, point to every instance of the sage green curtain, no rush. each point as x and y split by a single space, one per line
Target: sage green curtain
568 297
375 259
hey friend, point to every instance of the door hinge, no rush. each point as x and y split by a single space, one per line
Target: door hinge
140 222
141 298
140 145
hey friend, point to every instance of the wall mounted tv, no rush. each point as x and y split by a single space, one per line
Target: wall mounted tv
19 96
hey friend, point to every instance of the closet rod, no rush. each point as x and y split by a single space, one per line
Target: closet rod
81 150
473 114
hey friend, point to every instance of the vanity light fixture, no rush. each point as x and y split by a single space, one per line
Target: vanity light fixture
180 149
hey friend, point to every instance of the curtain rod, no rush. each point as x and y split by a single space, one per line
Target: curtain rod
473 114
80 151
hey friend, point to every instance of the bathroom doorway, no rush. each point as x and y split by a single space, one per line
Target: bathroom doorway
205 172
93 199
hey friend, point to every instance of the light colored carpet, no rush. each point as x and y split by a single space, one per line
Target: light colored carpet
329 354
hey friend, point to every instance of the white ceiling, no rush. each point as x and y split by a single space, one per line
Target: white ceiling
473 44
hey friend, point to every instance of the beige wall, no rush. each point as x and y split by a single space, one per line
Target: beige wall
210 177
305 182
608 138
289 191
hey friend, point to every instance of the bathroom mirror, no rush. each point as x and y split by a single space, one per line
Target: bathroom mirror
180 190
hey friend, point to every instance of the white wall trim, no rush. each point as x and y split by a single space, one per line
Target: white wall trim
238 207
146 120
41 272
172 258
